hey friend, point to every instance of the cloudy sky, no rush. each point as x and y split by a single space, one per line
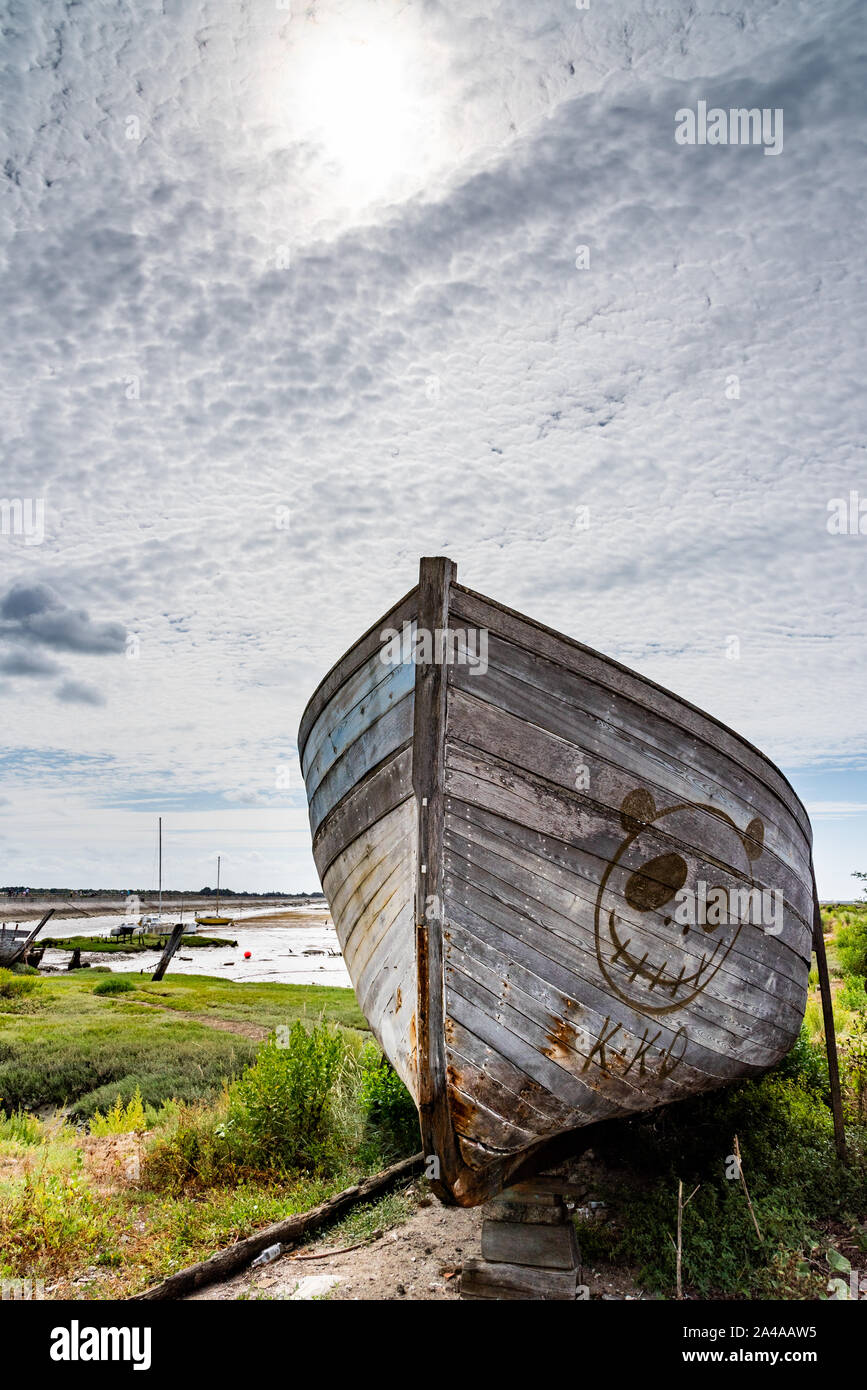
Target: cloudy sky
293 294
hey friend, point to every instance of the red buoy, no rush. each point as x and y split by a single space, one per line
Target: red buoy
246 955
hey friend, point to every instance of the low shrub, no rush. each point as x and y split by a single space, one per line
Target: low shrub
282 1115
789 1161
193 1151
282 1106
851 945
114 984
14 985
121 1119
21 1127
387 1105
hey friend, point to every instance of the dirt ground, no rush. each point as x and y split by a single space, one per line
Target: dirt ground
419 1260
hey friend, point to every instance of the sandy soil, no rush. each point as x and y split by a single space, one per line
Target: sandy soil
419 1260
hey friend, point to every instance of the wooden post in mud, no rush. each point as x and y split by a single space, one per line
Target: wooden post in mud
830 1035
172 945
529 1247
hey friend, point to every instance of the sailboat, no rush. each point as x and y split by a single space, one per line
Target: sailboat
519 840
154 924
214 919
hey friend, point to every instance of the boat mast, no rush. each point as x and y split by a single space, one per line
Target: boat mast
218 885
160 908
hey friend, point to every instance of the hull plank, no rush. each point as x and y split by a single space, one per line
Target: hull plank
611 676
375 689
614 766
386 787
371 894
562 893
391 731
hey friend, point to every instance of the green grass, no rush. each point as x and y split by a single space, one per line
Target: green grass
266 1004
79 1049
363 1222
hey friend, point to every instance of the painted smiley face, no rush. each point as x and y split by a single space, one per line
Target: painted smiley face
647 955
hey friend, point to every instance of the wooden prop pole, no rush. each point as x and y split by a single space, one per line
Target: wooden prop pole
830 1035
172 945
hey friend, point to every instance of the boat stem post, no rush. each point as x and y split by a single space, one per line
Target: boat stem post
830 1035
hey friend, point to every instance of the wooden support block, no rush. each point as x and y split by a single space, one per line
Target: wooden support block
539 1246
482 1279
529 1247
534 1201
538 1188
538 1213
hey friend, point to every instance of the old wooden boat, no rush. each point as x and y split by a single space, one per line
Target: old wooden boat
520 841
16 942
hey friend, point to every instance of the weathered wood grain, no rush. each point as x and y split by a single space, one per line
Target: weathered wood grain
540 1245
351 713
473 608
613 768
372 747
386 787
438 1135
370 886
518 800
484 1279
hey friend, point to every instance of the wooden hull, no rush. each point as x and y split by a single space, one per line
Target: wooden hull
15 942
517 850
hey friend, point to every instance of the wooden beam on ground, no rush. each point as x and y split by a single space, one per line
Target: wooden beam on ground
172 945
830 1035
288 1232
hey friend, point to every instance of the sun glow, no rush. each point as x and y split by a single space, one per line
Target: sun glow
360 99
